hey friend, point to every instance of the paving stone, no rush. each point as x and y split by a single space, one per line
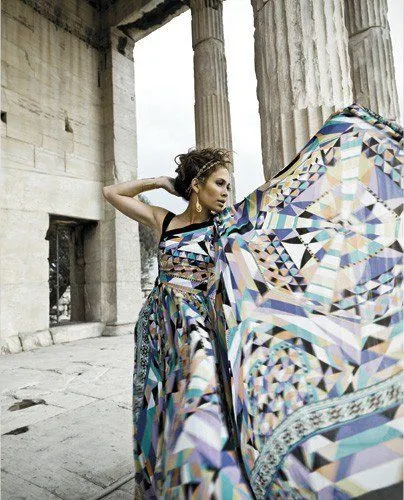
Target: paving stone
14 487
80 442
120 495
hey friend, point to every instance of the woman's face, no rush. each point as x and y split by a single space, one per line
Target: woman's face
215 191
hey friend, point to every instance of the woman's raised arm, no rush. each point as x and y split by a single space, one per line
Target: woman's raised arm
122 197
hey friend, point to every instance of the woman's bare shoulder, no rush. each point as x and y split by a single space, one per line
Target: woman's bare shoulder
159 215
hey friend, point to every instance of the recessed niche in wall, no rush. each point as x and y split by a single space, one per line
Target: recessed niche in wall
68 127
4 116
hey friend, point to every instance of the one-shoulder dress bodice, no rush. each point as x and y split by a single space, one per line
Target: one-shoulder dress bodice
185 255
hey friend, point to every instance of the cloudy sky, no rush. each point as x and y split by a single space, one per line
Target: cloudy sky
165 96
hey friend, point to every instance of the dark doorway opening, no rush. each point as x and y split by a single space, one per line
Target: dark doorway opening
66 259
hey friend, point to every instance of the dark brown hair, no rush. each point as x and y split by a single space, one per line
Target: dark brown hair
189 165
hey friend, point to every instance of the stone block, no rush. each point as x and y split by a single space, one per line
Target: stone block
103 383
120 494
60 194
93 271
83 168
28 416
128 487
81 131
67 400
14 380
3 129
18 58
25 307
51 50
17 154
92 152
121 110
115 330
15 267
108 300
53 124
92 302
124 399
10 345
108 270
12 193
92 244
13 486
125 148
67 143
76 331
57 146
19 11
24 126
49 161
18 33
128 310
17 270
127 270
33 340
76 88
72 456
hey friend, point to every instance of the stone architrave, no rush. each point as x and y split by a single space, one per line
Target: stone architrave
371 53
212 108
303 72
120 256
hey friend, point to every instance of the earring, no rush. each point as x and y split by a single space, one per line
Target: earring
198 206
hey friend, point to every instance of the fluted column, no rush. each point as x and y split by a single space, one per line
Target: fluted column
212 109
303 74
372 64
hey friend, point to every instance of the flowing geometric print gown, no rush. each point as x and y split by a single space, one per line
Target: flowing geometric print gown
268 356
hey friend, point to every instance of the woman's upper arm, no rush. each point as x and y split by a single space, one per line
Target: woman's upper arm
150 215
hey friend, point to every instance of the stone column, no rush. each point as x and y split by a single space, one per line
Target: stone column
120 253
372 64
212 109
303 73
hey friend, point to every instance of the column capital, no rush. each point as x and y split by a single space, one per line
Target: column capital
207 20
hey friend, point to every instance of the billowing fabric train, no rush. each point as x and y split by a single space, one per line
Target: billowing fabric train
268 354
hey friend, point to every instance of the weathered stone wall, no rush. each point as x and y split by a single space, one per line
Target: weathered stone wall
53 163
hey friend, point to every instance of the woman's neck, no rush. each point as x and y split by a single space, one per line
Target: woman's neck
191 216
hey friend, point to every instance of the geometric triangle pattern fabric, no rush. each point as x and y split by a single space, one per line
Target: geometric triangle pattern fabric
268 355
308 280
182 444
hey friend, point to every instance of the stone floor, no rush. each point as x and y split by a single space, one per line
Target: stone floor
67 421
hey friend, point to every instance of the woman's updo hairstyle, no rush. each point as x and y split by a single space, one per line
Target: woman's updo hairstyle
199 163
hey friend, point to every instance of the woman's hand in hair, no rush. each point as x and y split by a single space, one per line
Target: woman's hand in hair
167 183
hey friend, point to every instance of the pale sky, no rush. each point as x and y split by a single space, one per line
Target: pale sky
164 89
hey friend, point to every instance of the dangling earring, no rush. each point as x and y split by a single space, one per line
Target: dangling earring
198 206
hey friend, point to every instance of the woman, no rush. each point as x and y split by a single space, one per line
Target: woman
183 445
268 352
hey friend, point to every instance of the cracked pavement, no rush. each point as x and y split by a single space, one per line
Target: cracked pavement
66 420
